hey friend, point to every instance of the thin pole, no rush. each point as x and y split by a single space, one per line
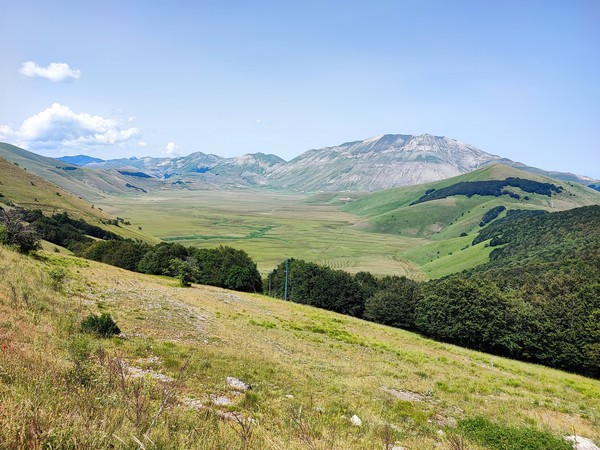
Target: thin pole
270 280
285 295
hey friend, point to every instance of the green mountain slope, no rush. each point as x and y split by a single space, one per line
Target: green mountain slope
543 280
447 221
87 183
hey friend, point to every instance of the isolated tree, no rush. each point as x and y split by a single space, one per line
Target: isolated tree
15 232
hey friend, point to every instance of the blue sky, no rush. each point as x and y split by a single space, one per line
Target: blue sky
517 79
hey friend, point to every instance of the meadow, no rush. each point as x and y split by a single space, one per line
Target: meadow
164 383
271 226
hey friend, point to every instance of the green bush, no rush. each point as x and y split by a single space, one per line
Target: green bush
502 437
102 325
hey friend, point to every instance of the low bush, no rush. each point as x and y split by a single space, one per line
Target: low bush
502 437
102 325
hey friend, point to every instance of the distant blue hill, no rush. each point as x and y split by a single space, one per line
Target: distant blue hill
80 160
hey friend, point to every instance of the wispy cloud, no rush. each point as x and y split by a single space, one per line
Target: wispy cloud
54 72
59 128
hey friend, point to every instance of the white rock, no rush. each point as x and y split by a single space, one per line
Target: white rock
237 384
581 443
356 421
220 400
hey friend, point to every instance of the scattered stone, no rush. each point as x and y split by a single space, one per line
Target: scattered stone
318 409
581 443
237 384
192 403
136 372
289 396
126 336
403 395
220 400
397 447
445 421
356 421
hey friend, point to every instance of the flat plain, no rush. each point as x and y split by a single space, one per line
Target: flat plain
270 226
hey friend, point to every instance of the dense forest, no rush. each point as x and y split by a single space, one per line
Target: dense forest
494 188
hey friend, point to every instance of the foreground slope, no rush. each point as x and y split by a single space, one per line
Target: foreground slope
310 370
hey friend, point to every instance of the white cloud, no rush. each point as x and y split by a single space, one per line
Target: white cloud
172 149
258 121
6 132
59 128
54 72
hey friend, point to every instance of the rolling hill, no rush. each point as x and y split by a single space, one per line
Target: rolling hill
27 190
89 184
449 223
396 210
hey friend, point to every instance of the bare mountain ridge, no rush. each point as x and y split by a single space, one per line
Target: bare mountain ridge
380 163
373 164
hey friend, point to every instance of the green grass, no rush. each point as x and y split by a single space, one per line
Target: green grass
310 371
270 226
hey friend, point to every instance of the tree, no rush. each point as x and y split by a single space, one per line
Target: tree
395 303
466 312
14 232
157 260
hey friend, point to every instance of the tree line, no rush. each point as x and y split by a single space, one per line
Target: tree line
222 266
493 188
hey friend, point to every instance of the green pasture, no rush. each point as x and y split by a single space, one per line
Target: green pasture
271 227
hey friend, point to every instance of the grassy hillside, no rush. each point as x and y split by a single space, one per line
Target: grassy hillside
391 211
165 385
92 185
30 191
444 221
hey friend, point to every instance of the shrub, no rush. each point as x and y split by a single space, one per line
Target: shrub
102 325
502 437
13 232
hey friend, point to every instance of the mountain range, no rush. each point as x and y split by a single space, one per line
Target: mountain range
373 164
